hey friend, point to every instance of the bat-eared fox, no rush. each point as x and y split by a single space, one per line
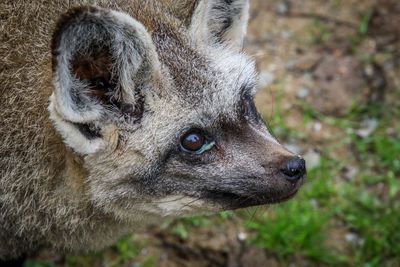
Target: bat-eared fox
117 113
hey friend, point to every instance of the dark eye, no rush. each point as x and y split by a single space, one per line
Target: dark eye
195 141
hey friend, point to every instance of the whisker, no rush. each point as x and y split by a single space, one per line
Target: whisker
168 201
254 213
188 204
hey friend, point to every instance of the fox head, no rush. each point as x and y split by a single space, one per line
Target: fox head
162 113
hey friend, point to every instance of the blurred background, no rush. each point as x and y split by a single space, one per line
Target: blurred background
329 90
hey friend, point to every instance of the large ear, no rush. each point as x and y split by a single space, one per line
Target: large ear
102 60
220 21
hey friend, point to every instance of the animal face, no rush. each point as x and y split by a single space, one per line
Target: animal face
164 118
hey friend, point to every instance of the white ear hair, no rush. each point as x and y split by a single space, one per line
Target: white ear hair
72 137
219 21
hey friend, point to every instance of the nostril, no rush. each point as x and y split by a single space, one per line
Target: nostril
294 169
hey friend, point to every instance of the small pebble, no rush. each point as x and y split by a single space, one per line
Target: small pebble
368 127
242 236
282 8
266 78
312 158
302 93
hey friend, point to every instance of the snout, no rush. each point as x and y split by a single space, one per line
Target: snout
279 185
294 169
264 173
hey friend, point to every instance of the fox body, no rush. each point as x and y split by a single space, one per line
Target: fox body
117 113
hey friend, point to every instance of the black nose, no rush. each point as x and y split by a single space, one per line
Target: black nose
294 169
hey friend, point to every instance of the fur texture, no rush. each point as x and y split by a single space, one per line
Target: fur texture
95 98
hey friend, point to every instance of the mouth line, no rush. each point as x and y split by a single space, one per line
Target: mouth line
236 201
287 197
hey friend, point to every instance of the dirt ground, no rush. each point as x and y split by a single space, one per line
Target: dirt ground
315 51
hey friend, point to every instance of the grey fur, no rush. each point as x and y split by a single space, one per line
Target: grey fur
79 172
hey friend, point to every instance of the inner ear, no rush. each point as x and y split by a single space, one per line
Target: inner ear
95 67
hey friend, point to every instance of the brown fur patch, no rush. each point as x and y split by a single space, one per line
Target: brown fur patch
182 9
75 172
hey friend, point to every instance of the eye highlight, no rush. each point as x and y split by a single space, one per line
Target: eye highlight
195 141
